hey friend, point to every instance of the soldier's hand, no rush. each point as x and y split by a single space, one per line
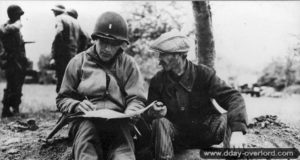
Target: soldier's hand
132 109
158 110
85 106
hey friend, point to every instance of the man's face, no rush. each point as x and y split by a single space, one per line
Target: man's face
107 49
168 61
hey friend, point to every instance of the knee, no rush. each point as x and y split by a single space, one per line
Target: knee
83 130
124 153
218 128
163 125
161 122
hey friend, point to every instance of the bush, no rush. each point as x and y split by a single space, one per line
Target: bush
293 89
146 23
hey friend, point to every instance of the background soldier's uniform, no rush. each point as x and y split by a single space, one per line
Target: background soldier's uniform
15 65
68 41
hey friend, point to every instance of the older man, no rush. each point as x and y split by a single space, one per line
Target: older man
186 89
109 79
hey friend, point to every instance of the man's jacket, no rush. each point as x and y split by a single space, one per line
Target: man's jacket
67 41
86 76
12 45
188 98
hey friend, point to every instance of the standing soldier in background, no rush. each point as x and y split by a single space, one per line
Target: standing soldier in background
13 60
85 40
66 42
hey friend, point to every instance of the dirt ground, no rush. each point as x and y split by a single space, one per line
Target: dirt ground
273 123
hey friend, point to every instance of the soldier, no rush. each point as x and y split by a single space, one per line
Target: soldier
190 119
85 40
103 77
66 42
13 53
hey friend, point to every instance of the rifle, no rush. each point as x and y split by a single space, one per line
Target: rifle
65 119
62 121
28 42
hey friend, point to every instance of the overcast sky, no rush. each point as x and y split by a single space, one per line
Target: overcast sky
248 34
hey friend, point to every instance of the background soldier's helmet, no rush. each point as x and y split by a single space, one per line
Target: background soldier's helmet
111 25
171 42
73 13
59 8
14 11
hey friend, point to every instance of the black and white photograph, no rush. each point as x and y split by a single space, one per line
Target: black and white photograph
149 80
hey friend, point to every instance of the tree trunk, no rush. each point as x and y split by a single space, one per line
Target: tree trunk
205 47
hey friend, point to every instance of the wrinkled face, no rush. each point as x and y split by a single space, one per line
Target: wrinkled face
168 61
107 49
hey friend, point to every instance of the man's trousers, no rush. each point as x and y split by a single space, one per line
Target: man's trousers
12 94
169 138
100 139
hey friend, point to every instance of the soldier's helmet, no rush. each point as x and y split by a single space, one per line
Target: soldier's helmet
73 13
111 25
59 8
171 42
14 11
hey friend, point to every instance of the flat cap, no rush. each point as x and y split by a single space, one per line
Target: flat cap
58 8
171 42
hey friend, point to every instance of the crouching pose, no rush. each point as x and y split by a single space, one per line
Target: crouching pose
103 77
187 118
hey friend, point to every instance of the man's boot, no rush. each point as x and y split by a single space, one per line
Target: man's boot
16 101
6 111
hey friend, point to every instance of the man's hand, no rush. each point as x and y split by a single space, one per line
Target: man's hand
158 110
85 106
238 140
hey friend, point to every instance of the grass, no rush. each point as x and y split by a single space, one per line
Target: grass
39 98
35 98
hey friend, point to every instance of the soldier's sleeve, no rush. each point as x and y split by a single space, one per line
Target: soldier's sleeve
84 41
2 51
22 49
228 98
133 85
57 38
68 97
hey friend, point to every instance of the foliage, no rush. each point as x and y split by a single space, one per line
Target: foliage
282 72
293 89
44 62
146 23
